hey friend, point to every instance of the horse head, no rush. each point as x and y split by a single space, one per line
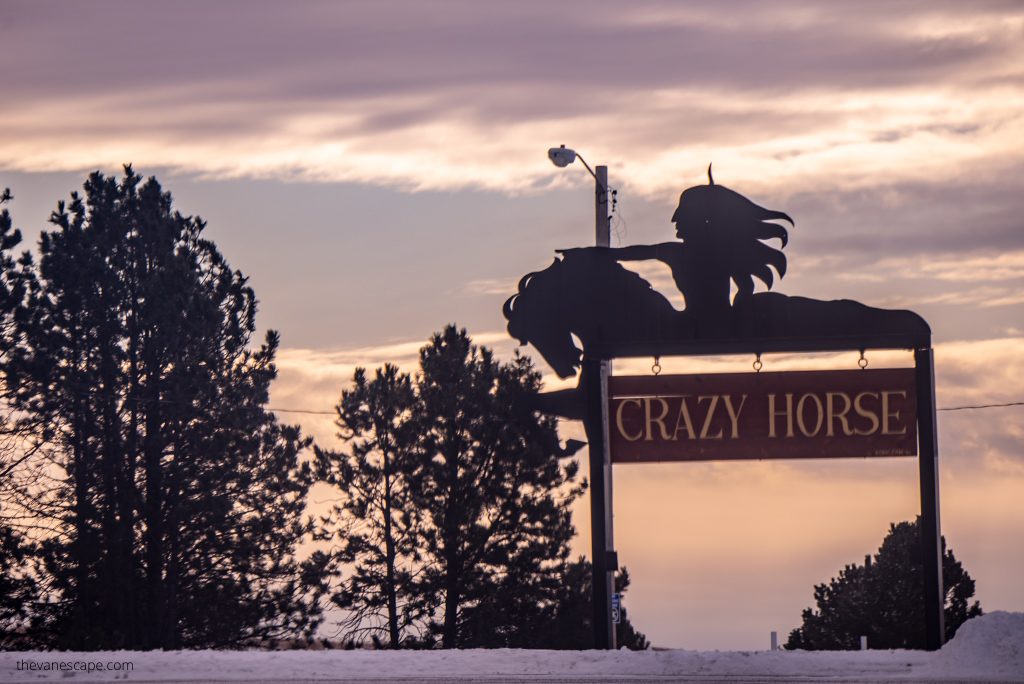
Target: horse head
587 294
539 315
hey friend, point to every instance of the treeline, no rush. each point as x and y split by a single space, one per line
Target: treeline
148 499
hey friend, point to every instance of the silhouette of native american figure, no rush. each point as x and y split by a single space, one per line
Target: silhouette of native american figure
616 313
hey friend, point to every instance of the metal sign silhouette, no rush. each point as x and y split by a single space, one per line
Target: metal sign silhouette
723 240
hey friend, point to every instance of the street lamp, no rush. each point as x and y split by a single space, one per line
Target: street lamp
603 557
561 157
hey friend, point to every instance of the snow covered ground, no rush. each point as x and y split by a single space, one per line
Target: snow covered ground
986 649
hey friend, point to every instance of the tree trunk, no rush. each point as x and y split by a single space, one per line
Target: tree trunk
389 549
152 447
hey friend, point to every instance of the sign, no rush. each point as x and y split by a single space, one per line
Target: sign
736 416
616 609
588 307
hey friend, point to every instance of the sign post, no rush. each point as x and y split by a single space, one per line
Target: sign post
931 535
602 553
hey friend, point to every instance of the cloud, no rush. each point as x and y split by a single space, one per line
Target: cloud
974 293
985 297
491 286
958 268
788 96
310 381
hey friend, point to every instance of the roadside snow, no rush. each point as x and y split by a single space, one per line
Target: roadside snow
989 648
992 643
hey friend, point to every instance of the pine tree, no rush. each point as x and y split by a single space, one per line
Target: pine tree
448 501
375 524
175 498
17 583
454 520
884 599
570 627
494 498
626 635
562 620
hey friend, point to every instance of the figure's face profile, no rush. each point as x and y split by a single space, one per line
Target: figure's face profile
695 214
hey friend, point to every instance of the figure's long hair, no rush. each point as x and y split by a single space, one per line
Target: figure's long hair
727 226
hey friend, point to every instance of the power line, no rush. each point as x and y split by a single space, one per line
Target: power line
981 406
333 413
315 413
950 408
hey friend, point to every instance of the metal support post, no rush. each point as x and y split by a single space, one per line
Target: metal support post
931 534
602 554
603 224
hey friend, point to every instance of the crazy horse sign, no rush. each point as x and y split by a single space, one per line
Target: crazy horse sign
732 416
724 241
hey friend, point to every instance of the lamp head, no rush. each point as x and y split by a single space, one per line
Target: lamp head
561 156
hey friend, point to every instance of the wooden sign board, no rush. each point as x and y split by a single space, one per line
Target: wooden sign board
737 416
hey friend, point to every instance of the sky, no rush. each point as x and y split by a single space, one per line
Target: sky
378 170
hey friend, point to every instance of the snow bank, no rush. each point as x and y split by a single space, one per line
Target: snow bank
992 644
986 649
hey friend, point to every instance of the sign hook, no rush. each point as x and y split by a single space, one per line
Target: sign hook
757 364
656 368
862 362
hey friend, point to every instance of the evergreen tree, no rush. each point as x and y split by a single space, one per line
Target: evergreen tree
16 586
571 624
884 600
174 497
375 524
625 634
17 583
454 519
562 618
494 498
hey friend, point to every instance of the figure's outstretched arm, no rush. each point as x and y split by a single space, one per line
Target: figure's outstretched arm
631 253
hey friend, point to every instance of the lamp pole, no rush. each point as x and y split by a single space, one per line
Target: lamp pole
603 225
604 560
